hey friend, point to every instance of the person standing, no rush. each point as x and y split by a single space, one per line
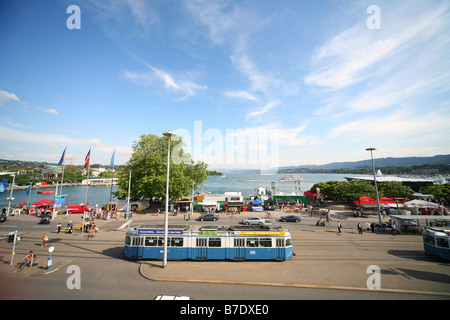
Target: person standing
359 228
59 227
339 225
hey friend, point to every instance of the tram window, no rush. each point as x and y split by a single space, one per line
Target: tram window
151 241
443 243
265 242
215 242
176 242
252 242
201 242
137 241
429 240
280 243
127 240
288 242
239 242
160 242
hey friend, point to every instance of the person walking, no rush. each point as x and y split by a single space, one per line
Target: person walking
44 240
339 225
59 227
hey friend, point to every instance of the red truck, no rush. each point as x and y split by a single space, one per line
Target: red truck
78 208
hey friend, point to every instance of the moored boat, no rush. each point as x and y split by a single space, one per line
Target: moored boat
46 191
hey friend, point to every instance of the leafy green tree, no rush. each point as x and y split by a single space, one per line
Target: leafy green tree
439 191
394 189
148 166
358 188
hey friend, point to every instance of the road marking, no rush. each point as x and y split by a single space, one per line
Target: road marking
125 224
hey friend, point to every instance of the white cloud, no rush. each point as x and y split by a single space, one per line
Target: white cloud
396 127
180 85
12 135
363 70
7 96
242 94
49 111
122 18
264 109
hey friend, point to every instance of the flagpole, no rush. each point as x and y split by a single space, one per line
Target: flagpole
64 165
87 183
112 162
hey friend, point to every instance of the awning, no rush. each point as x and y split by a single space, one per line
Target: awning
43 202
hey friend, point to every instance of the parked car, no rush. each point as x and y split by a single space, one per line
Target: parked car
209 217
290 218
253 220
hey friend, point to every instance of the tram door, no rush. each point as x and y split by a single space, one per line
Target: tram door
201 249
280 249
137 249
239 249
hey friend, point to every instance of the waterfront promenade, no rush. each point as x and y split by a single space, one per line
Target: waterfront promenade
325 259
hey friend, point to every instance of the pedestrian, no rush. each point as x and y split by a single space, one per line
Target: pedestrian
44 240
339 225
59 227
359 228
394 228
372 227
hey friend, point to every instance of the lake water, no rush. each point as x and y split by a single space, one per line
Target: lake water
245 182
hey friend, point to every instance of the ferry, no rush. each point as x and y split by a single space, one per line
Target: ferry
291 178
436 242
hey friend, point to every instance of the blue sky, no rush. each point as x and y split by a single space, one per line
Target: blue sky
306 82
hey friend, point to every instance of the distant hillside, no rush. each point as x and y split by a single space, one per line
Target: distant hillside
380 163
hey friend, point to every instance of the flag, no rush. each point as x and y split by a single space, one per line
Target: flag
86 160
28 190
3 185
61 161
112 158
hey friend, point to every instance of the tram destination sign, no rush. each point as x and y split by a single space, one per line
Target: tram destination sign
144 231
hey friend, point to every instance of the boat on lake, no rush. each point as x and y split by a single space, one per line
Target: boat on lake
46 191
291 178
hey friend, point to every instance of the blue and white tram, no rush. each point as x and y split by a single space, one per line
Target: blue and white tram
209 243
436 242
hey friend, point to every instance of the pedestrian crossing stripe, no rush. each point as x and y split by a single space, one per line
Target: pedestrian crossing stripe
77 226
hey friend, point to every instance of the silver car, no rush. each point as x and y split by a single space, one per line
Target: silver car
253 220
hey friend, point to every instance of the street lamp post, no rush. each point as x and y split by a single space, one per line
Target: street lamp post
166 217
376 187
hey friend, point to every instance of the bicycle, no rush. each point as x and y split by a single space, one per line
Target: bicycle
21 265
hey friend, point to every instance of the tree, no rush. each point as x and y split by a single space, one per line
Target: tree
330 189
148 166
394 189
439 191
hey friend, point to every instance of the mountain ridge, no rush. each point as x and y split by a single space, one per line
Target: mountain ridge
379 163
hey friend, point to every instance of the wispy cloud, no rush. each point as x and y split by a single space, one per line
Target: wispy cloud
181 85
37 137
347 66
264 109
135 18
240 94
49 111
7 96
